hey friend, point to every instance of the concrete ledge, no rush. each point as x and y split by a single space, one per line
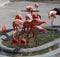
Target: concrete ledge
13 50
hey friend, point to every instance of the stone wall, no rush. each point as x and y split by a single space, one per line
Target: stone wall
35 0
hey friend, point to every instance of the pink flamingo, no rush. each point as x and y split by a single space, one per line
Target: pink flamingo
52 15
16 24
36 5
26 24
34 23
29 8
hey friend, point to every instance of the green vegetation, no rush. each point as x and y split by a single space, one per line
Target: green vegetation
48 36
40 37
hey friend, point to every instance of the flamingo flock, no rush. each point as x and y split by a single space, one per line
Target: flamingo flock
32 25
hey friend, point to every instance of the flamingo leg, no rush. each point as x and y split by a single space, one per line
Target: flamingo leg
29 32
23 30
12 44
52 20
33 34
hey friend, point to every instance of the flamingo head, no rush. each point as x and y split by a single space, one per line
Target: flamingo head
36 5
18 16
52 14
34 15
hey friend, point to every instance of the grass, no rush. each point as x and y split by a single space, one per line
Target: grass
41 37
48 36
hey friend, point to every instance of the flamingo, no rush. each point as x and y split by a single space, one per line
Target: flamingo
52 15
33 23
28 8
16 24
54 12
36 5
26 24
